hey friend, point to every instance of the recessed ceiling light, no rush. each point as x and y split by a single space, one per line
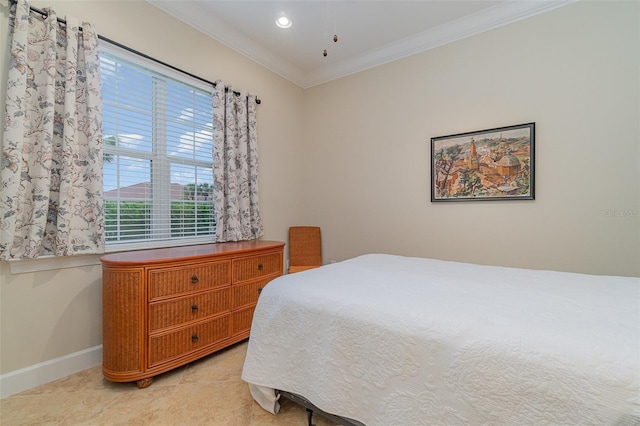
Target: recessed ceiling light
283 22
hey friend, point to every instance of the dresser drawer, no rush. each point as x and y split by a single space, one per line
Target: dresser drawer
241 320
247 293
256 266
175 312
179 280
165 347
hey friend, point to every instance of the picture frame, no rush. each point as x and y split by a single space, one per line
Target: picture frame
485 165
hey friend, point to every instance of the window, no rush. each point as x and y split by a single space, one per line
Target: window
158 154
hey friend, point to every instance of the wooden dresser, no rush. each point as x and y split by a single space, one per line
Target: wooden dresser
164 308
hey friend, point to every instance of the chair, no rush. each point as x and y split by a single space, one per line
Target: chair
305 248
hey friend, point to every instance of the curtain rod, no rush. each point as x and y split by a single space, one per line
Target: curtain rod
44 14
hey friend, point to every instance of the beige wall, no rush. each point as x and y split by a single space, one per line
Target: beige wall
352 155
49 314
574 71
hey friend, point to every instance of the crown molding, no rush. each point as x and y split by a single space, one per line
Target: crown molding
194 15
503 14
468 26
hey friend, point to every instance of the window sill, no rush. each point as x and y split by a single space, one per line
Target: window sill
25 266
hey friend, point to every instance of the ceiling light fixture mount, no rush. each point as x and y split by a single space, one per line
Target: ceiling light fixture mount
284 22
335 26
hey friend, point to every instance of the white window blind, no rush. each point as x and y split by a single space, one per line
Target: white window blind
158 154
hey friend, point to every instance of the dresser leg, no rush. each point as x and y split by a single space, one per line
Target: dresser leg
144 383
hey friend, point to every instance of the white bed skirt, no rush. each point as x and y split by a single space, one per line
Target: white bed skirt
265 397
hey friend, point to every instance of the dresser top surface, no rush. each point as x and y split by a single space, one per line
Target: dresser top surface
160 255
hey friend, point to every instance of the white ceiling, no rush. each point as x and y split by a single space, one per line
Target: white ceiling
370 33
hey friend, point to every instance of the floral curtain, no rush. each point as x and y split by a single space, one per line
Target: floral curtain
51 190
235 166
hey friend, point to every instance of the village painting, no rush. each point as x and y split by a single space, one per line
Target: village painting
494 164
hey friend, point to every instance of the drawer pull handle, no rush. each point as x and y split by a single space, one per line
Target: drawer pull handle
260 266
194 308
194 279
194 337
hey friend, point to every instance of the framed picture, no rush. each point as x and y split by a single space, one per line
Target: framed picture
486 165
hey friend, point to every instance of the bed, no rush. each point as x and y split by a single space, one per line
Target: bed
390 340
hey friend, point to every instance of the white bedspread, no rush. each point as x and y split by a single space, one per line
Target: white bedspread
389 340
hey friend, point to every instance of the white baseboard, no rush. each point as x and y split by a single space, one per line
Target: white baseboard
29 377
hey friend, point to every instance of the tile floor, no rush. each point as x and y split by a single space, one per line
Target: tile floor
206 392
